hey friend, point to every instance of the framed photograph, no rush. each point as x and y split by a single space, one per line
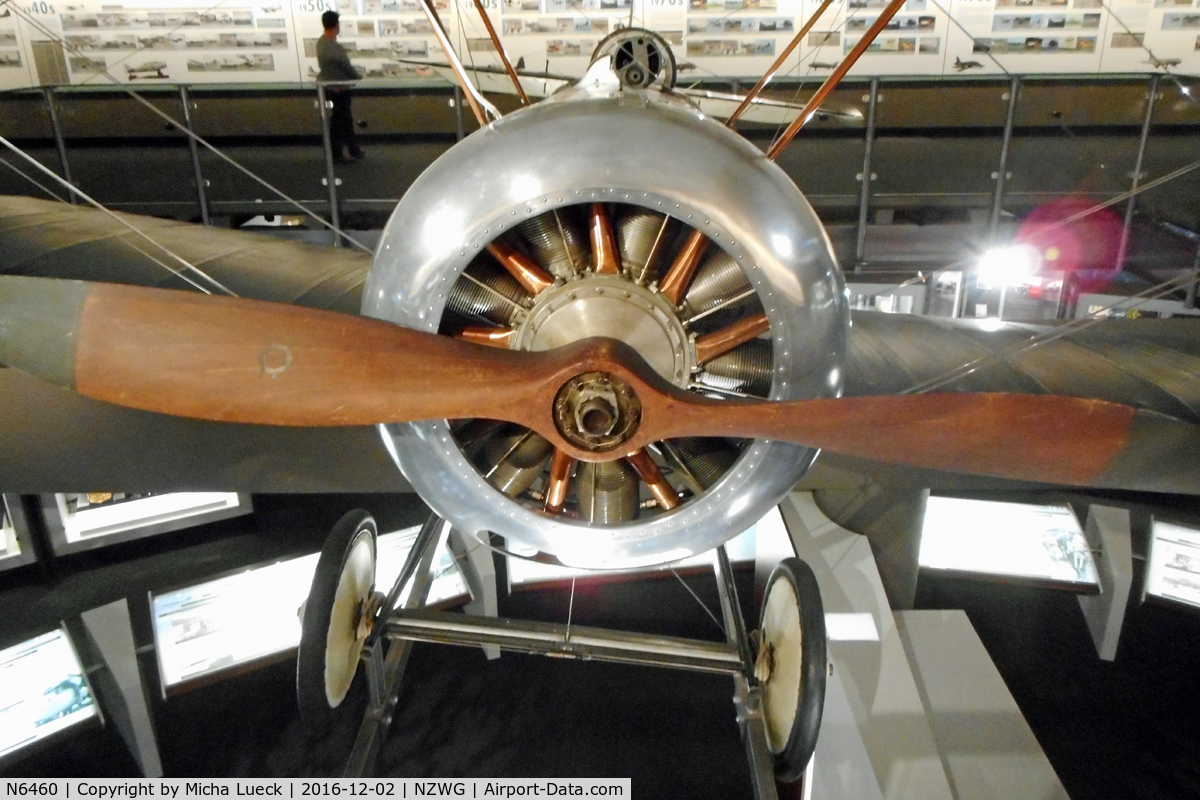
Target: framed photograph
16 541
83 521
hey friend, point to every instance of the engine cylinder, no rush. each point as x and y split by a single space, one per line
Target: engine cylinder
484 299
638 231
706 459
718 280
514 460
745 369
608 492
556 242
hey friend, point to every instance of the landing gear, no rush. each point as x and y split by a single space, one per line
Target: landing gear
338 617
791 666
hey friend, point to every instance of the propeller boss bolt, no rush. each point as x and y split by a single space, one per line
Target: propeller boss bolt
597 411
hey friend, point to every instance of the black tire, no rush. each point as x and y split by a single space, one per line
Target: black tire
793 750
316 707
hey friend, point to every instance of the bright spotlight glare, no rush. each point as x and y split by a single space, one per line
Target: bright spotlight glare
525 187
782 245
1008 265
991 324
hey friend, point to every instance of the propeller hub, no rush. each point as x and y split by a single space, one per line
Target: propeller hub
597 411
614 307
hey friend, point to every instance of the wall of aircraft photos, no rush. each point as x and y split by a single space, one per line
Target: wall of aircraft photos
141 42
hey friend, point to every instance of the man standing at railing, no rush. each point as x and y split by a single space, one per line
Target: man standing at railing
335 67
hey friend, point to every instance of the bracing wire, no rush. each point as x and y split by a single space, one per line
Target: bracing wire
32 180
186 265
183 128
1061 332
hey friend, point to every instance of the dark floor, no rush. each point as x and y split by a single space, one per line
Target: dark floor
1130 729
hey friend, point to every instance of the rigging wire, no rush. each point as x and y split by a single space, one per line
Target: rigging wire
192 135
696 597
959 25
838 28
131 244
962 370
1141 40
187 265
32 180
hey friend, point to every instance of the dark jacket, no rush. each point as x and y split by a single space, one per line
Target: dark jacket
334 62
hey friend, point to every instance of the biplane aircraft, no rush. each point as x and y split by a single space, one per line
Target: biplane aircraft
610 329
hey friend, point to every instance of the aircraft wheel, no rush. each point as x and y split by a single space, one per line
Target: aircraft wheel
791 666
336 618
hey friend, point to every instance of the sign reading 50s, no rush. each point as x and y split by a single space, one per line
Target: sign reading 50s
317 6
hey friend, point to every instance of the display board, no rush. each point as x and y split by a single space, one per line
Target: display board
205 629
83 521
1173 566
14 53
16 544
43 689
148 42
1015 540
10 547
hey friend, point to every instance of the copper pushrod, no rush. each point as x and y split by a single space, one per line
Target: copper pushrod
532 277
720 342
605 255
815 101
650 474
556 486
675 283
512 73
500 338
770 73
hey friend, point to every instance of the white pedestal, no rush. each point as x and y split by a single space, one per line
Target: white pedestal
1107 532
914 709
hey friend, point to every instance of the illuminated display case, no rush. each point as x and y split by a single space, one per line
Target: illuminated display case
43 691
1016 542
83 521
252 617
1173 565
16 545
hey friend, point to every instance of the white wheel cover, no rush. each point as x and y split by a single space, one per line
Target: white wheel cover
781 692
342 645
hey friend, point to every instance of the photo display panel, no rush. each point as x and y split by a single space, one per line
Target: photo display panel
87 517
558 34
1026 36
1010 539
14 52
739 38
384 38
204 629
913 43
1152 34
10 546
42 691
1173 571
140 42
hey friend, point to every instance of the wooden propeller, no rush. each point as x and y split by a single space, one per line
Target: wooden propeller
249 361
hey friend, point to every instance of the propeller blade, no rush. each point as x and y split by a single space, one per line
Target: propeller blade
234 360
237 360
1043 438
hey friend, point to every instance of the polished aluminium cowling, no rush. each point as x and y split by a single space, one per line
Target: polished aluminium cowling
598 143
